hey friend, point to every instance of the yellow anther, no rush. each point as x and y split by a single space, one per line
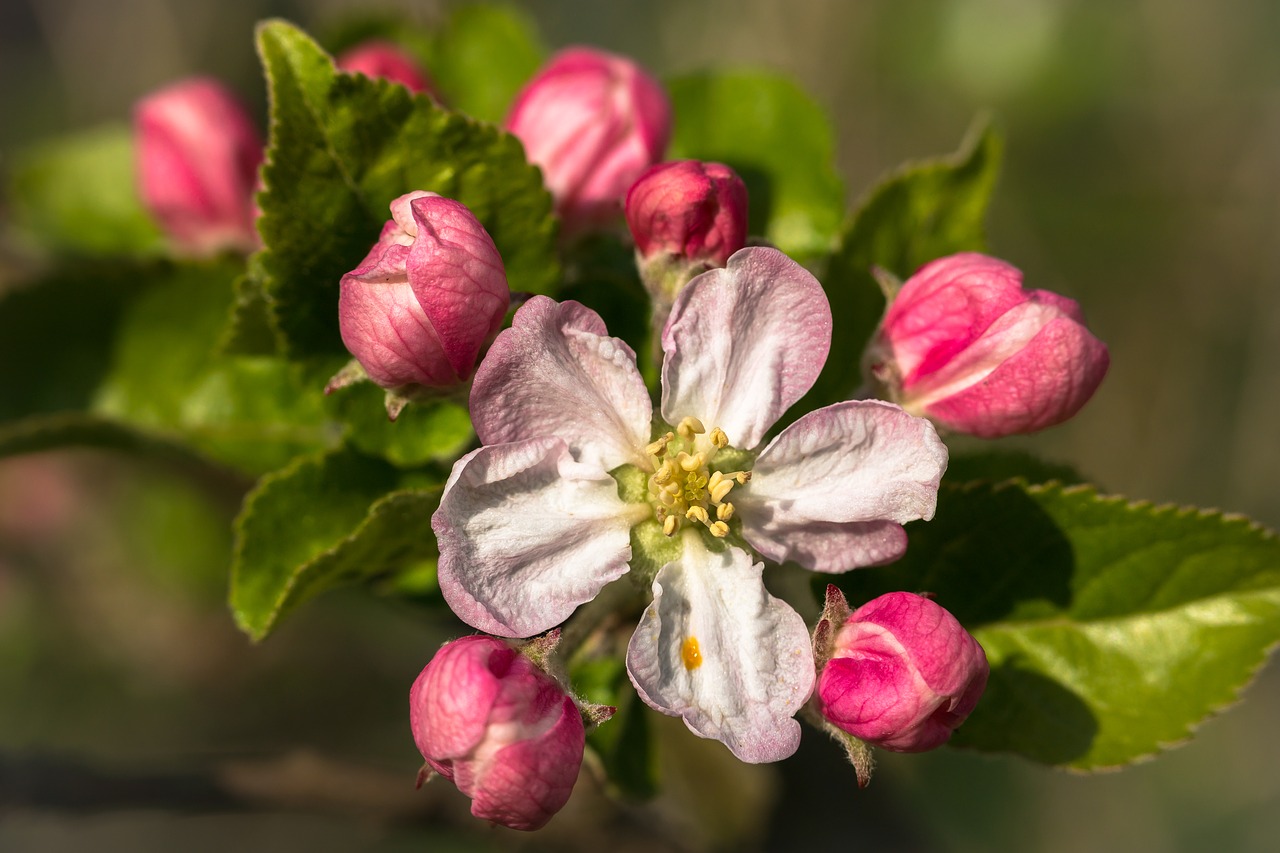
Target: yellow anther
689 427
718 529
658 446
721 490
698 514
673 488
691 463
724 512
664 473
719 439
741 476
670 525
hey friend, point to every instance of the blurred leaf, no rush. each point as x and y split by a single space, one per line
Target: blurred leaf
247 412
624 743
1112 628
424 432
342 148
995 466
922 212
77 195
778 139
79 429
322 522
482 57
56 335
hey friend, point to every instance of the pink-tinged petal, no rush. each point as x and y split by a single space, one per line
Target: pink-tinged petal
556 372
450 702
945 307
526 783
1043 384
383 325
458 276
833 489
527 534
715 648
744 343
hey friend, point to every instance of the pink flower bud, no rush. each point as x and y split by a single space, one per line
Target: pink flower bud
903 674
688 209
429 295
377 58
502 730
197 157
963 343
593 121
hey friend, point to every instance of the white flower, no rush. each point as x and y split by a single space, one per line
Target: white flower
532 524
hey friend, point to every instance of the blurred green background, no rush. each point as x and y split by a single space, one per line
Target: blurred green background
1142 178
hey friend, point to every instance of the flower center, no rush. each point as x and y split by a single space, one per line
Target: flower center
683 487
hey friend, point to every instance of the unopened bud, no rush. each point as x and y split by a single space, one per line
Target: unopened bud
963 344
507 734
198 154
902 675
593 121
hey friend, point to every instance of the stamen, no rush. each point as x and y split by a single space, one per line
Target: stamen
658 446
719 439
664 473
721 490
670 525
698 513
718 529
689 427
724 512
691 463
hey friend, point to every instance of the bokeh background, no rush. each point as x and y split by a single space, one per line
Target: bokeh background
1142 178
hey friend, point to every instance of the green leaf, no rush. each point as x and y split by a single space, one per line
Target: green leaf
77 195
342 148
995 466
922 212
424 432
246 411
778 139
482 57
322 522
1113 628
56 335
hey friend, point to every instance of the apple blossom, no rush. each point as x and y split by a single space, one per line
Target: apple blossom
965 345
537 520
198 154
593 121
902 674
507 734
429 295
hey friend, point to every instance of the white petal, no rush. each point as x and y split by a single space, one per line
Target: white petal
831 491
754 666
527 534
743 343
557 372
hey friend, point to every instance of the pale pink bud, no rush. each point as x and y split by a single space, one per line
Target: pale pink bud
429 295
377 58
903 674
963 344
593 121
198 154
505 732
690 210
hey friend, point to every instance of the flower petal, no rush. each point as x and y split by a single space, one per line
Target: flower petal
744 343
831 491
556 372
717 649
527 534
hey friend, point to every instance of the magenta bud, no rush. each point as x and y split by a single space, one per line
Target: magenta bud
689 210
502 730
382 59
593 121
963 344
198 154
903 674
429 295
